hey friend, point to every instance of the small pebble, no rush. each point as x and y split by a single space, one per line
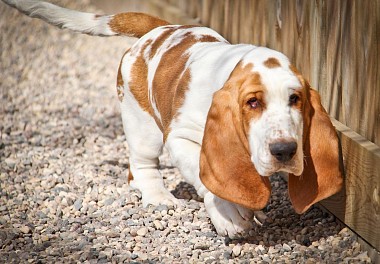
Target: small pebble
25 229
142 231
11 163
286 247
158 225
236 250
78 204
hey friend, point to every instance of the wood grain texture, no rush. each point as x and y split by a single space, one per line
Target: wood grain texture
360 68
332 93
358 204
171 13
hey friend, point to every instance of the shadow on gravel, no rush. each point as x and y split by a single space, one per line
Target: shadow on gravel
185 191
283 225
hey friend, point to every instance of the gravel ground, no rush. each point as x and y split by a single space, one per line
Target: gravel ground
64 196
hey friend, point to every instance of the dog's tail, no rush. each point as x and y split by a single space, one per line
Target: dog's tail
126 24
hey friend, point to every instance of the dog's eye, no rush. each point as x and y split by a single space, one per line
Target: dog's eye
253 102
293 99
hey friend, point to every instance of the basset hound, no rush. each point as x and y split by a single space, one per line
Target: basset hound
229 115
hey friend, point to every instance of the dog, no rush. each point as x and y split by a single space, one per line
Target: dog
229 115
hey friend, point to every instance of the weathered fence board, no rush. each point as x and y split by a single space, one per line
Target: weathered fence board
361 69
357 205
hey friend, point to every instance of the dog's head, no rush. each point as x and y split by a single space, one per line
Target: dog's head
267 119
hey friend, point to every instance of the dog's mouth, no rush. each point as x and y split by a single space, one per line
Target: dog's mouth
292 169
267 169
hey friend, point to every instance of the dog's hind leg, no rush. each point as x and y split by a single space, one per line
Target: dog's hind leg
145 144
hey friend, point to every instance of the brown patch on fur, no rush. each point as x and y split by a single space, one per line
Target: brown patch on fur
294 70
188 26
134 24
180 97
170 81
167 33
182 88
159 41
272 63
130 176
119 81
303 102
249 86
299 76
240 73
138 83
208 38
252 88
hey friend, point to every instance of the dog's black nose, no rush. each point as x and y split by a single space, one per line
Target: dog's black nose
283 151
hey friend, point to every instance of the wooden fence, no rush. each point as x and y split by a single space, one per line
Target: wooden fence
336 45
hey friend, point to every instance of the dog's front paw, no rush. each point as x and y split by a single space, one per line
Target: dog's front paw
229 219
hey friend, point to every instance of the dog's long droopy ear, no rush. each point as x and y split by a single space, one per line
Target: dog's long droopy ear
322 175
225 165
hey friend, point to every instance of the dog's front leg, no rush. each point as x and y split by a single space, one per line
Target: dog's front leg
229 219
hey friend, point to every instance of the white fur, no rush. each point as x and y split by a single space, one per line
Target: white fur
61 17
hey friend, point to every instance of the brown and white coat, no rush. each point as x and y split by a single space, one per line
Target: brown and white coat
229 115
